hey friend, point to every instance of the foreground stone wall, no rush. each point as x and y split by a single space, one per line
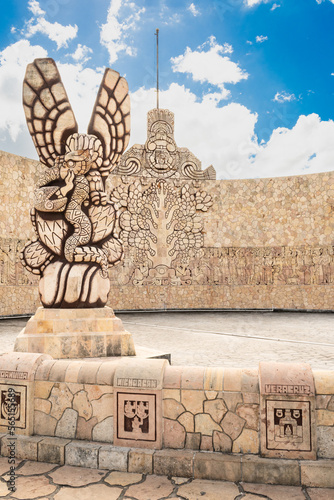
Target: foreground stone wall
73 408
259 243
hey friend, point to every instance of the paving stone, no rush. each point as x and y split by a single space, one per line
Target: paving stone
153 488
61 398
76 476
251 496
232 425
35 468
221 442
247 442
325 417
211 490
85 428
82 405
320 494
175 463
205 424
67 425
141 461
232 399
33 487
174 434
211 395
103 407
193 441
217 467
42 405
44 425
122 478
251 414
187 420
216 409
193 400
275 492
92 492
3 489
325 438
172 409
104 431
52 450
4 465
43 389
82 454
113 458
96 391
206 443
180 480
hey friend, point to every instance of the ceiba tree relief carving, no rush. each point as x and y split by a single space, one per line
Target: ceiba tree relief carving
72 217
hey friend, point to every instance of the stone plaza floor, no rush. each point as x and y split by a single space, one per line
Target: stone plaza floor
48 481
193 338
231 339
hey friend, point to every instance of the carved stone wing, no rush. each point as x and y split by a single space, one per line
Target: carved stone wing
48 112
110 120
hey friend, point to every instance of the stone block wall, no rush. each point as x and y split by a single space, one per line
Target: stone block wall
206 421
193 244
194 408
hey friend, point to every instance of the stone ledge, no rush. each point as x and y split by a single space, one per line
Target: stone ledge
181 463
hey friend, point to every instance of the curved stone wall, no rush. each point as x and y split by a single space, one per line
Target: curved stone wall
194 244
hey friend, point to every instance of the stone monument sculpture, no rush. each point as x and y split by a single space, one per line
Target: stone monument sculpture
73 220
72 217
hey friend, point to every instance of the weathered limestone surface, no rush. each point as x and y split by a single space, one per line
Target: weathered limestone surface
265 243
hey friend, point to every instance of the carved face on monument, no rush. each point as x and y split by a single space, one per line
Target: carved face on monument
72 217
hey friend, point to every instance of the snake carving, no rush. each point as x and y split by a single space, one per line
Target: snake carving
72 217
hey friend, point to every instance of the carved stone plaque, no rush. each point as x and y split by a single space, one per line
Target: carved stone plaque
136 416
13 401
287 411
138 419
288 425
138 403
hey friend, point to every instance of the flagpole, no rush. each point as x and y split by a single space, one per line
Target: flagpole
157 35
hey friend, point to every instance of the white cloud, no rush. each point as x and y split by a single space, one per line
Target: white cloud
13 62
275 6
306 148
81 53
212 65
54 31
35 8
220 135
123 17
261 38
284 97
252 3
192 8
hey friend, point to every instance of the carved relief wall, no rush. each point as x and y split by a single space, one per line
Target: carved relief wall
190 241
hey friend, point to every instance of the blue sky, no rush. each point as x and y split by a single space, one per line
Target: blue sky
251 82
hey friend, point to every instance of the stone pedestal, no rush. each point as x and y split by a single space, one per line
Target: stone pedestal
75 333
